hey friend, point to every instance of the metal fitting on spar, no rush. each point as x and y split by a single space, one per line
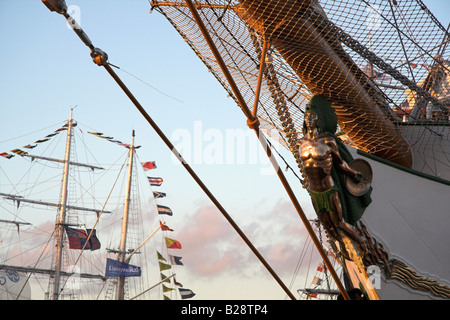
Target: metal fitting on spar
253 123
58 6
99 56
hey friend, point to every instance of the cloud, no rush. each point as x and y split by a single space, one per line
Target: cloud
27 244
211 247
282 235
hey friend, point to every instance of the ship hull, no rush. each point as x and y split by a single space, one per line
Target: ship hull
409 217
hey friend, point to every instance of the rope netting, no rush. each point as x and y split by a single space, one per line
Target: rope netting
380 63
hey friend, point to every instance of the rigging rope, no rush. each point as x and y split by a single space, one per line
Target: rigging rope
146 83
95 223
35 265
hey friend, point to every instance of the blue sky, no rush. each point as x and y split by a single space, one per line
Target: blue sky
45 70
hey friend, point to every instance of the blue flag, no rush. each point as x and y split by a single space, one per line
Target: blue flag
186 293
158 195
116 268
174 260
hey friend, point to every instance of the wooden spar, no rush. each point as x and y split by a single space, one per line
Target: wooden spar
62 161
62 214
19 199
254 124
16 222
51 272
262 66
120 292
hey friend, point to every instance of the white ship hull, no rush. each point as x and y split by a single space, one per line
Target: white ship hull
409 216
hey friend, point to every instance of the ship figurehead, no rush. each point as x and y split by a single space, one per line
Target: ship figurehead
340 189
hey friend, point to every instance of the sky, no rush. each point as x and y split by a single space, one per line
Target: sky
45 70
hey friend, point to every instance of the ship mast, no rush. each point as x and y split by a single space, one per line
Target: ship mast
57 271
120 293
62 213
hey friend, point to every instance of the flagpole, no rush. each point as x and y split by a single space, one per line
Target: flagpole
120 293
253 123
165 279
143 242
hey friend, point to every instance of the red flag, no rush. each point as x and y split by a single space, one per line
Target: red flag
155 181
172 244
164 227
320 267
148 165
177 283
77 239
6 155
317 281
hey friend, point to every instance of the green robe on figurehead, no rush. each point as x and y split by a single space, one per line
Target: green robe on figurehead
352 206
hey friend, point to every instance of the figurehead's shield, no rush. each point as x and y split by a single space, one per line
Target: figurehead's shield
358 188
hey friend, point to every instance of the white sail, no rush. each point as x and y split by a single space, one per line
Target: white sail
14 286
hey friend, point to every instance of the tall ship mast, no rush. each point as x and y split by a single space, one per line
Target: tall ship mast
79 266
123 240
62 214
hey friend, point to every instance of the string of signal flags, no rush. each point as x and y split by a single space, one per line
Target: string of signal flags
171 244
21 152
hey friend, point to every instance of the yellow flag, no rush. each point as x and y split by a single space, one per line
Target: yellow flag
165 289
163 266
160 257
164 278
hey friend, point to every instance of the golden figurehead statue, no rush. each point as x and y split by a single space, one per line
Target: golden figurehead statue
325 172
